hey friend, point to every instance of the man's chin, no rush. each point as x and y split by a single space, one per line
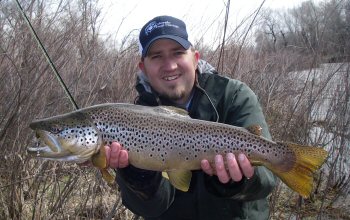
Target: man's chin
174 97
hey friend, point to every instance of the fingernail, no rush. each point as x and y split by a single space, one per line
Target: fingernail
230 156
241 157
218 158
114 149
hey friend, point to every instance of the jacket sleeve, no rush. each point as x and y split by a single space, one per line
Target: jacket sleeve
144 192
242 109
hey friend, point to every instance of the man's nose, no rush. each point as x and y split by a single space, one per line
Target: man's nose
169 64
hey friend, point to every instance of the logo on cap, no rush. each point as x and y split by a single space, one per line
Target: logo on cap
154 25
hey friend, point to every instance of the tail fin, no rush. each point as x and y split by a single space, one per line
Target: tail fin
308 160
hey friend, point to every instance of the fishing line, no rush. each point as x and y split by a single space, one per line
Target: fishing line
211 102
52 65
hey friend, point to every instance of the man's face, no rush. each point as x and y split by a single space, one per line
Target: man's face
170 69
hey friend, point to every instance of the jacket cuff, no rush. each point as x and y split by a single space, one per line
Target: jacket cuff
225 190
259 186
143 182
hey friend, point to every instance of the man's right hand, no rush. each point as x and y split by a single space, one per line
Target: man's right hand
116 156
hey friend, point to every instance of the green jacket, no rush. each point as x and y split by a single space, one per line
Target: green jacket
149 195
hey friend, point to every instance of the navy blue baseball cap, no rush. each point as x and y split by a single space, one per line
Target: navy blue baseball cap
163 27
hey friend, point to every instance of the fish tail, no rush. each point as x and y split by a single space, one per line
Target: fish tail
307 160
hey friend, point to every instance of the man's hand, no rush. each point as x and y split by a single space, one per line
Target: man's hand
235 170
116 156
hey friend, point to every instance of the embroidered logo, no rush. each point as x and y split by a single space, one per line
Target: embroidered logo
154 25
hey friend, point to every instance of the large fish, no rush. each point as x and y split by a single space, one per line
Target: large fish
166 139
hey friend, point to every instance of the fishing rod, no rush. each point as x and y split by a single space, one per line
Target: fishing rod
52 65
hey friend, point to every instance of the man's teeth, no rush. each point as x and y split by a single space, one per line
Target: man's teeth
169 78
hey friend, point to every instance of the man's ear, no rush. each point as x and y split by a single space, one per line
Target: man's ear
142 66
196 57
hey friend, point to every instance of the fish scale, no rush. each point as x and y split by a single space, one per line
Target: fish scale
166 139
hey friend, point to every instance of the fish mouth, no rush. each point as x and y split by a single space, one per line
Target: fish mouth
49 146
46 145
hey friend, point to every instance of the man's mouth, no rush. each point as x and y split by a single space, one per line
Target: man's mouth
171 78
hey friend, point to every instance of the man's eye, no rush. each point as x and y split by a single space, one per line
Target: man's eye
155 56
180 52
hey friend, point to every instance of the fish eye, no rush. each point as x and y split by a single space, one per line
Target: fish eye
55 129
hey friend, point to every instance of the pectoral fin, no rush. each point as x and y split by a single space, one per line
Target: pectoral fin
108 176
99 160
180 179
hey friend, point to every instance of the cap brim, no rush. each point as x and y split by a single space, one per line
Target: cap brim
183 42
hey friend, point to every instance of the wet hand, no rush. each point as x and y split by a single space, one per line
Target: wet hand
116 156
236 167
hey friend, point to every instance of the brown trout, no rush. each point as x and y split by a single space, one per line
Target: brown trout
166 139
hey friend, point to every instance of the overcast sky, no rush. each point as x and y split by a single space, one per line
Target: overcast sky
202 17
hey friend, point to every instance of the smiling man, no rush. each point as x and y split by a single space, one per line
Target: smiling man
173 74
170 69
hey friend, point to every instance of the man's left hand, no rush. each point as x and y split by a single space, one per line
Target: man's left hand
235 169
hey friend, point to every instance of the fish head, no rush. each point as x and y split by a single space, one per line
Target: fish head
71 137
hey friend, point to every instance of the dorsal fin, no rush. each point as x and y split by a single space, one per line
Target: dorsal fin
255 129
172 110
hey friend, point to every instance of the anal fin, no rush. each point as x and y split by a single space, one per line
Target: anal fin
180 179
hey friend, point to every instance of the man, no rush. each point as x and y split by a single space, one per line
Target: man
172 74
